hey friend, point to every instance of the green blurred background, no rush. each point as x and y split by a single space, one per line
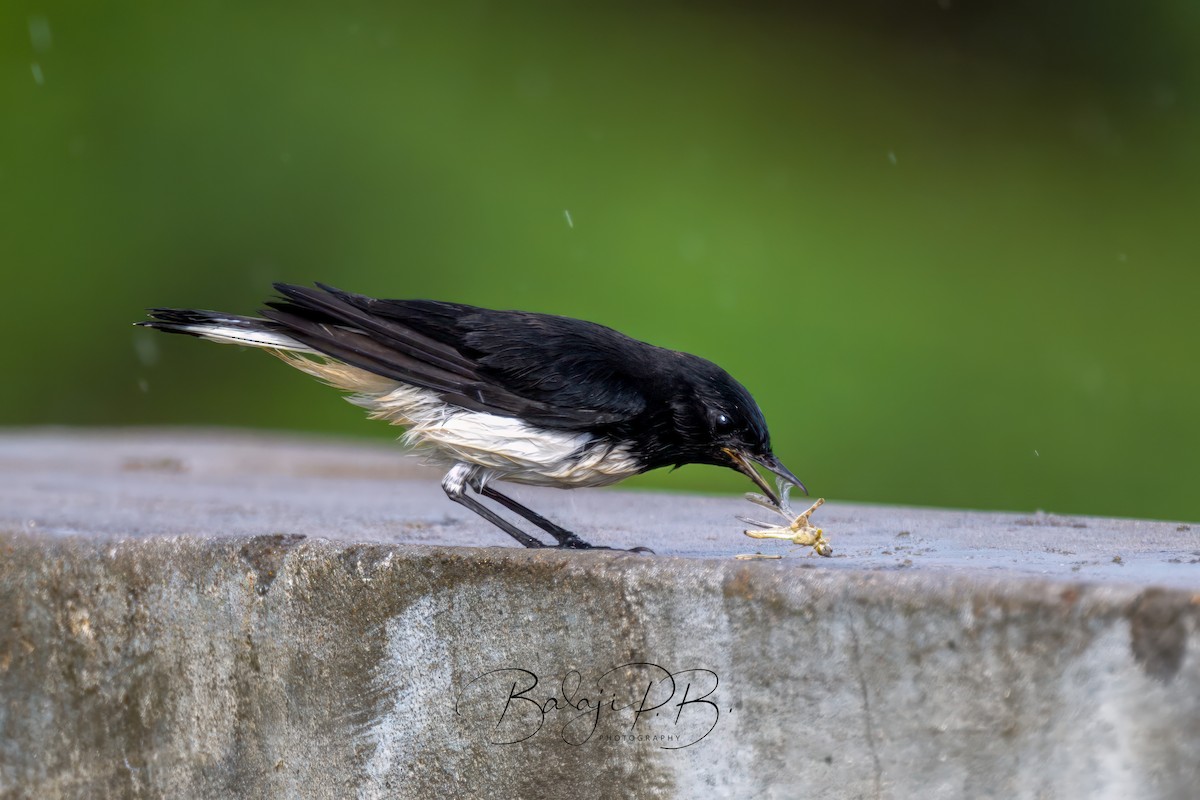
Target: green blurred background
949 246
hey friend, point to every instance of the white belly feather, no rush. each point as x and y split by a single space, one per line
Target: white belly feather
509 449
506 446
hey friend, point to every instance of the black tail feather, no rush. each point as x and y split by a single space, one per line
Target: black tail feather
191 321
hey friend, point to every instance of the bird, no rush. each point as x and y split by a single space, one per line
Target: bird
508 396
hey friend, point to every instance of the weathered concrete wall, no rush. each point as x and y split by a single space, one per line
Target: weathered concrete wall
197 616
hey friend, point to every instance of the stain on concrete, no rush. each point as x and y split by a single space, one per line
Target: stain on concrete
1042 519
165 464
1158 632
264 555
365 561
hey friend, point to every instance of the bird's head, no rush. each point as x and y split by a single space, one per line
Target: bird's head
719 423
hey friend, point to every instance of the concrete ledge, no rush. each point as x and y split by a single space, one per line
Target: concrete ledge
207 614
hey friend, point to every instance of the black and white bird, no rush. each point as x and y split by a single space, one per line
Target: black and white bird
507 395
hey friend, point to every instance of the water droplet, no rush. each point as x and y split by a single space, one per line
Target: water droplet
146 349
39 33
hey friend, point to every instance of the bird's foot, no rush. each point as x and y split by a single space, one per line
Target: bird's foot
586 546
798 530
573 542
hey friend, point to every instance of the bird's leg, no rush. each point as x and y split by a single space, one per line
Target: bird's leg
455 486
566 539
461 476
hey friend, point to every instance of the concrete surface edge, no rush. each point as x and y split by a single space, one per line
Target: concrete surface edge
284 666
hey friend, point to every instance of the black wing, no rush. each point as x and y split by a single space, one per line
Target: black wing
554 371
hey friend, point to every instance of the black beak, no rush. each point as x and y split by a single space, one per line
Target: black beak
745 465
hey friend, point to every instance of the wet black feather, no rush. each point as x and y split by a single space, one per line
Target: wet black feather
556 372
507 363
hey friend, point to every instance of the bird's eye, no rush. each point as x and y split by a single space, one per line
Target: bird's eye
722 421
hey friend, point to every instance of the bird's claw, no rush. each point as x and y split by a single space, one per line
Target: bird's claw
798 530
